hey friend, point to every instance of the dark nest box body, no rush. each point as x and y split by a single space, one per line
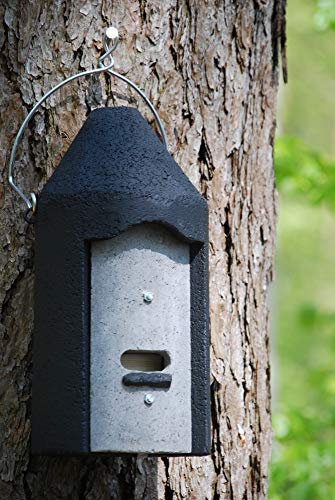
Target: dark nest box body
121 342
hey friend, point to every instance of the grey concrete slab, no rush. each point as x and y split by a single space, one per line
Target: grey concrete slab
146 258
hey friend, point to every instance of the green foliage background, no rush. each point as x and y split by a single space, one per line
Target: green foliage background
303 330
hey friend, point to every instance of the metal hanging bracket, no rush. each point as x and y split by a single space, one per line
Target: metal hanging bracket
105 64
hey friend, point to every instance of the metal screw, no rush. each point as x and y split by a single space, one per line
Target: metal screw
149 399
112 33
147 297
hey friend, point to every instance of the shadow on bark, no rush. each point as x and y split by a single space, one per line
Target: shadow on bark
90 478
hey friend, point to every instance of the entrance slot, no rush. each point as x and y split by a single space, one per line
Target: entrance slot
145 361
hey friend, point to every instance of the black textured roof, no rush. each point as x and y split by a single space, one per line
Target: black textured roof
116 151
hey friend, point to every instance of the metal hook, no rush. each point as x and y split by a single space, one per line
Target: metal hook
111 34
111 40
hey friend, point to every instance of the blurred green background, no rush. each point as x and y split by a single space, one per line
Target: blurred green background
303 302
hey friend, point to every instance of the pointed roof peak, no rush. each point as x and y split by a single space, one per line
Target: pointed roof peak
116 151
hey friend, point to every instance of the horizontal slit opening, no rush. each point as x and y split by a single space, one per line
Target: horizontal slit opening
145 361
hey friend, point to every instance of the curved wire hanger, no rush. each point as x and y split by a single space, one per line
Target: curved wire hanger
111 35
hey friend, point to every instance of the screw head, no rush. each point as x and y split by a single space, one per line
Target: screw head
147 297
149 399
112 33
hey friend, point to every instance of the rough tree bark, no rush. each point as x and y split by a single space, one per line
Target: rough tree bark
210 68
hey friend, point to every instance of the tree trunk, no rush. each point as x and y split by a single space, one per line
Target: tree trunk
211 70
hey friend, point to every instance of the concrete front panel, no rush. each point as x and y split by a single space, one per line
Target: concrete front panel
146 258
